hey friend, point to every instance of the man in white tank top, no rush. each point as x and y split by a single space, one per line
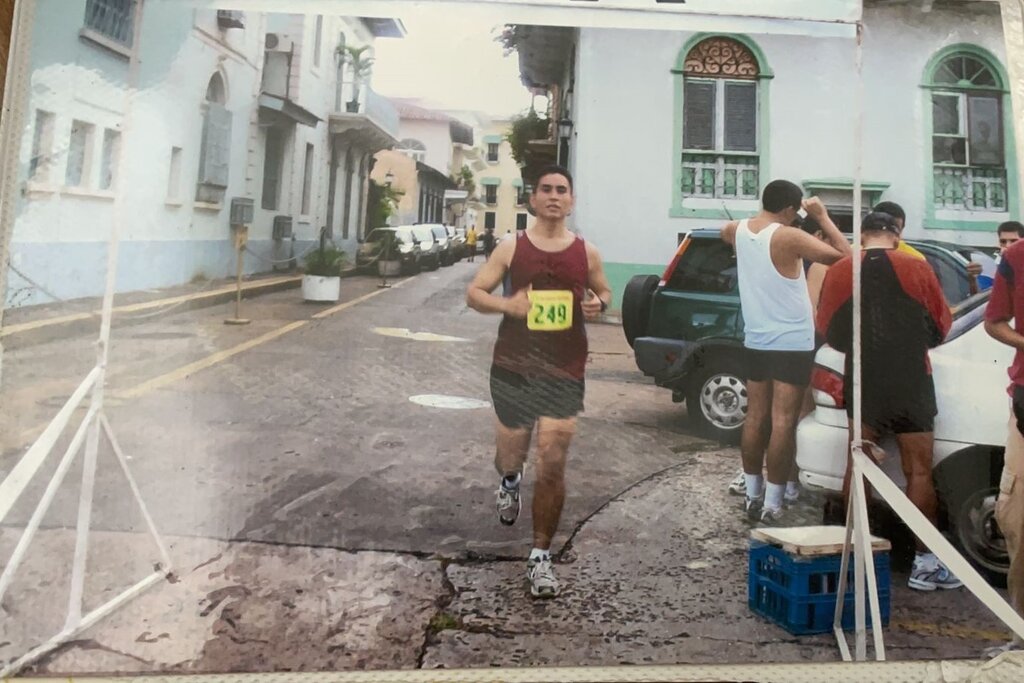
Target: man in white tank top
779 333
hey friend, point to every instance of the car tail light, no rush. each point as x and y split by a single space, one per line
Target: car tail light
827 388
675 262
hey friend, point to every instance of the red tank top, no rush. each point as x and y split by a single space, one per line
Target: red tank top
545 354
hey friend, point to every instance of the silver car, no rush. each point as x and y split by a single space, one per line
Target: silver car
430 250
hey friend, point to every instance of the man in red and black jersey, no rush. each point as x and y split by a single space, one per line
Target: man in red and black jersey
555 281
903 314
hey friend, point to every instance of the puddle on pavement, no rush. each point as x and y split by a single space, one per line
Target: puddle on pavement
403 333
449 402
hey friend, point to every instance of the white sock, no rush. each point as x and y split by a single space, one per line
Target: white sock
511 481
925 558
755 485
792 488
773 496
540 554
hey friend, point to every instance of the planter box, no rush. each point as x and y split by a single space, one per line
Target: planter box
389 268
320 288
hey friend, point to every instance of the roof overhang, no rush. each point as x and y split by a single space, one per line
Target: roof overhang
284 110
426 171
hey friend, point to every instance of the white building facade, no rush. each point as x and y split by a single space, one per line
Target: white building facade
231 108
673 130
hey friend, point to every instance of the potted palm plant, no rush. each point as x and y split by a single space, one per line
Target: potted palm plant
321 279
361 67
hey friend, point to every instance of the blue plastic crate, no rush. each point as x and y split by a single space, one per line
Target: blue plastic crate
799 593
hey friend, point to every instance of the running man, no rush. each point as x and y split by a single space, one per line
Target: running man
779 334
556 281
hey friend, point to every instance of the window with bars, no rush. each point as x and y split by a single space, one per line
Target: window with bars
719 156
492 151
490 219
490 194
112 19
42 147
968 147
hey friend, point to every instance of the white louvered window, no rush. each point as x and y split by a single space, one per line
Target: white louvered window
720 157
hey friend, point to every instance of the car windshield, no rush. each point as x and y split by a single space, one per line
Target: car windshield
405 236
440 233
423 234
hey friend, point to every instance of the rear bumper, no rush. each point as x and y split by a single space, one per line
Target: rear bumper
663 359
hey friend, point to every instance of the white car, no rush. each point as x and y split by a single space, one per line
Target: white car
970 374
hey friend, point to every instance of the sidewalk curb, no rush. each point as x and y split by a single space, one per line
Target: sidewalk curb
37 332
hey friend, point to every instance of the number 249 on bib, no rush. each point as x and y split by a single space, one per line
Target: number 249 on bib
551 310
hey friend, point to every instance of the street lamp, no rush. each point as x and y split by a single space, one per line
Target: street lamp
389 178
565 128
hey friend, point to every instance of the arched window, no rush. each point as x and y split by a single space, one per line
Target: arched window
968 144
414 149
215 146
718 94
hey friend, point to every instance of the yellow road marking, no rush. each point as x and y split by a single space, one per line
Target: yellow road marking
348 304
143 306
192 368
950 630
32 433
220 356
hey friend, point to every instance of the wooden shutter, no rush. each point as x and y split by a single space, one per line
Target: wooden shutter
699 115
216 149
741 117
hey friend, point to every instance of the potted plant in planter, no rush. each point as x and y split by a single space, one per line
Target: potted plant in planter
361 68
321 279
390 263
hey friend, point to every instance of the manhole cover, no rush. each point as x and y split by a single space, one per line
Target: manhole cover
403 333
450 402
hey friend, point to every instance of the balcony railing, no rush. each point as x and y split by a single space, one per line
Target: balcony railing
113 19
720 176
380 110
970 188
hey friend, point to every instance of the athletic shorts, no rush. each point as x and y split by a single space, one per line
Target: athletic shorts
894 409
519 401
791 367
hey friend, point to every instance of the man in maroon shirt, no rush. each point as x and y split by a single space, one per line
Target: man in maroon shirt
1007 303
556 280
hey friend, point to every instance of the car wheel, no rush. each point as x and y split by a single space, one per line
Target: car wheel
968 485
636 305
716 401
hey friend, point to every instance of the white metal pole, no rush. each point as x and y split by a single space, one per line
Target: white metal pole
12 125
103 343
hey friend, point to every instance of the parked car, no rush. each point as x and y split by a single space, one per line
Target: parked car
430 250
457 238
686 327
969 372
444 244
408 250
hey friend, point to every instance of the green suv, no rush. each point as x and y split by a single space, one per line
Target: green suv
686 327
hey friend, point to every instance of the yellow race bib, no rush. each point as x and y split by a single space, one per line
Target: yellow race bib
551 310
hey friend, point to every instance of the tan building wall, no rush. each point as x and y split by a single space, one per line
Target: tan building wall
405 180
505 171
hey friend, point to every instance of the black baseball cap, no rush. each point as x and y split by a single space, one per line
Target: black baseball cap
879 220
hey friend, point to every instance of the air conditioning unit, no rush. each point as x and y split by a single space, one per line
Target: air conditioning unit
279 42
282 227
241 210
230 18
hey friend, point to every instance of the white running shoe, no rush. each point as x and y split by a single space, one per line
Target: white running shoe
738 485
541 574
